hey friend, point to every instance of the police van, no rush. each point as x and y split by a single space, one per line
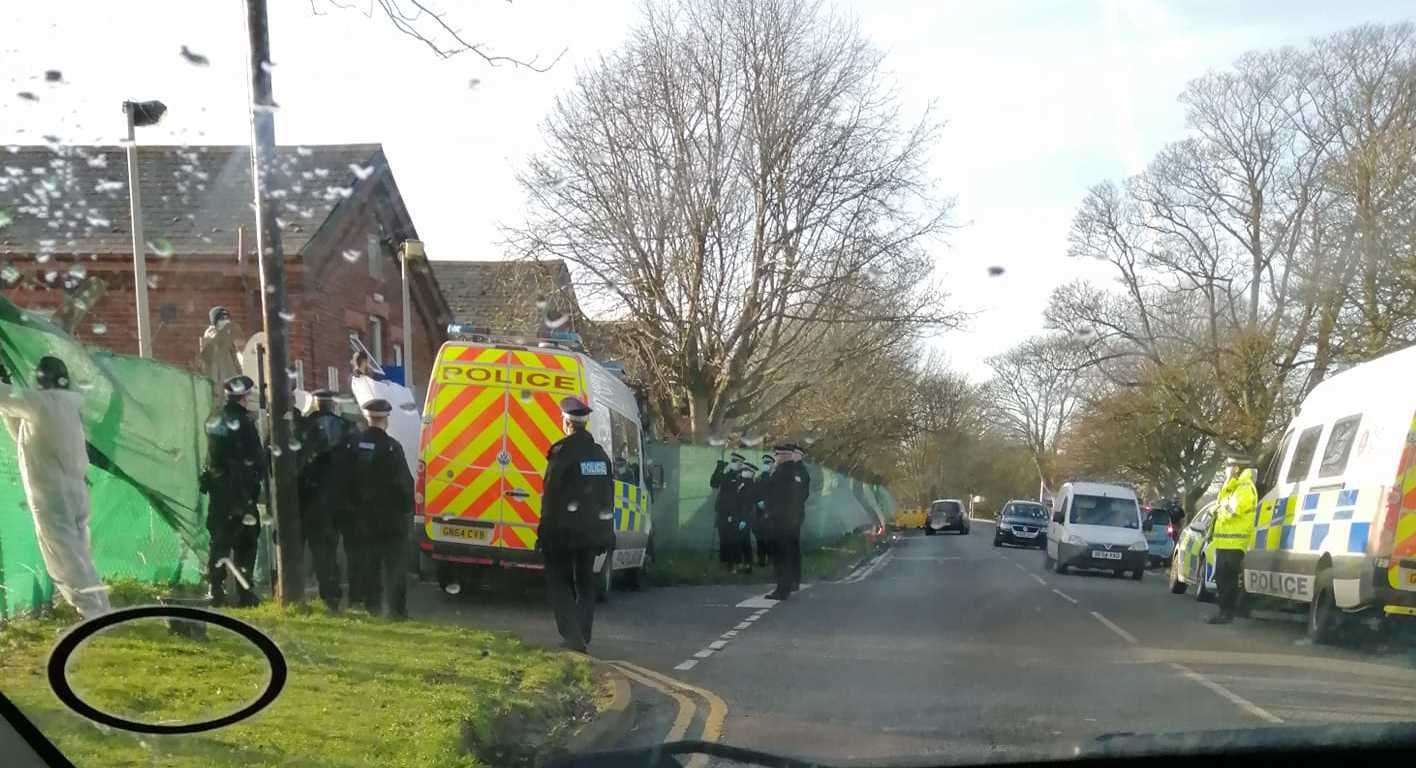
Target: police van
490 417
1335 527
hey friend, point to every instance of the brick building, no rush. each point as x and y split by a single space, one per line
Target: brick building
342 220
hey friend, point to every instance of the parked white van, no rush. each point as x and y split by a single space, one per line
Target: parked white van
1097 525
1336 523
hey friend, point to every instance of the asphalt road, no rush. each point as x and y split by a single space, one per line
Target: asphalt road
948 647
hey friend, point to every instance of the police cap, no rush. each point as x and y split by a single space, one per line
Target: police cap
52 373
217 313
575 408
768 458
748 466
378 407
738 457
324 394
239 386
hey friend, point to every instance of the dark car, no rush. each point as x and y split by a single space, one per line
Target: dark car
1021 522
946 515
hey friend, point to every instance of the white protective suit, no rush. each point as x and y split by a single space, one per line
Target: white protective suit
49 437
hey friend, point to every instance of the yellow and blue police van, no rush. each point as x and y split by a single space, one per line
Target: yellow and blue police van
1335 526
489 420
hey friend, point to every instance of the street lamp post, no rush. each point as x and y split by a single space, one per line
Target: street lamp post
139 113
410 250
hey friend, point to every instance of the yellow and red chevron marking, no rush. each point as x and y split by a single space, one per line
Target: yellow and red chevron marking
1404 543
461 443
533 423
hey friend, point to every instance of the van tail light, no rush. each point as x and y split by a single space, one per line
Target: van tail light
418 488
1170 530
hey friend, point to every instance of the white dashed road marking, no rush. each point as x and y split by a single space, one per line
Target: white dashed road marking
1065 596
1038 579
1225 693
1111 625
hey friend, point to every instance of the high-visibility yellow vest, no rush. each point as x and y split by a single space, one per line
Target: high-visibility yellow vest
1234 526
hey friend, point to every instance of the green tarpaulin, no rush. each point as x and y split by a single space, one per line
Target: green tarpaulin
144 423
683 509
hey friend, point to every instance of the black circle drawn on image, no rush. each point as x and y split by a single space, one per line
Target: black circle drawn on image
69 643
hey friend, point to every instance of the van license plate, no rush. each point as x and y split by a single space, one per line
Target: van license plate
465 533
1106 555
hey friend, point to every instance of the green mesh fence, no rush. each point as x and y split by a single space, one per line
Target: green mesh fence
144 424
683 509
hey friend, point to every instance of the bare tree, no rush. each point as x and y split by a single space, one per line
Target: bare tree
1035 389
736 185
1267 247
431 27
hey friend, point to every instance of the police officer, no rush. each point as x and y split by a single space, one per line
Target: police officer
381 504
577 523
236 465
786 492
1233 527
743 514
726 480
757 497
324 436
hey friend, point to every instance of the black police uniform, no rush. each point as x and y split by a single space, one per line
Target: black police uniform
577 524
381 505
726 509
232 479
786 491
324 437
757 498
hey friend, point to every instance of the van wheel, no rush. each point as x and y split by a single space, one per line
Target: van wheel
928 531
606 580
1325 619
638 578
425 567
1138 574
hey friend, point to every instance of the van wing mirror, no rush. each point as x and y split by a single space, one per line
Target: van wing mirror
1057 516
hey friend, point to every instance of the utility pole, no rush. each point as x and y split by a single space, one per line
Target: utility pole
290 585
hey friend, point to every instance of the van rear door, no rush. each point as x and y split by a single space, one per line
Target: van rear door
536 381
1398 534
462 444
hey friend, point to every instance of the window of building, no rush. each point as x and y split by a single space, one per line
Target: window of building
375 257
376 339
332 379
398 355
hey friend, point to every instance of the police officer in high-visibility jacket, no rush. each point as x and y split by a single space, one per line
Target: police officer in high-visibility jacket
1233 528
577 523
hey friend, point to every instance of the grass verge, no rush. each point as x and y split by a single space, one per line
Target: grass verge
361 691
828 561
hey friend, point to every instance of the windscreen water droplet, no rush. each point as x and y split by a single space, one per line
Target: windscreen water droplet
304 151
295 443
100 328
275 450
351 256
161 246
248 519
53 76
287 316
233 423
27 96
995 271
361 171
556 322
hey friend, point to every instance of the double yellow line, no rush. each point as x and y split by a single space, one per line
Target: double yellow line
687 709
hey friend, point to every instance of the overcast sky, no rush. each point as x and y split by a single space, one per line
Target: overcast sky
1042 100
